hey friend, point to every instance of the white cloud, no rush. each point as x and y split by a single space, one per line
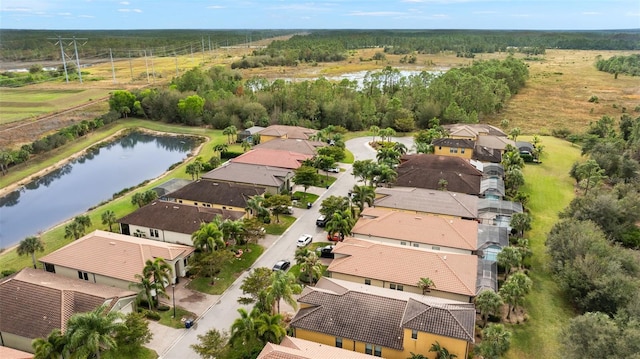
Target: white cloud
136 10
15 9
64 14
125 3
375 13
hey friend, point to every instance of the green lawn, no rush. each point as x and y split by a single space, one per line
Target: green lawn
230 272
277 228
551 190
304 198
166 317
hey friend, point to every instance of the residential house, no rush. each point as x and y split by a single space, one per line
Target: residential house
171 185
173 222
439 172
295 348
274 158
495 142
400 268
491 240
420 200
250 134
305 147
472 131
274 180
382 322
114 259
417 230
34 302
10 353
456 147
282 131
488 141
214 194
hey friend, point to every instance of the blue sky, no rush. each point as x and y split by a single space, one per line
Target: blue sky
328 14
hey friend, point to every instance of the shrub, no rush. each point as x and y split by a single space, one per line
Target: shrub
561 133
594 99
151 315
163 307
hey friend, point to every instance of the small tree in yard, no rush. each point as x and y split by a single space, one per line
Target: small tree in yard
306 177
425 284
212 344
496 341
29 246
279 204
109 219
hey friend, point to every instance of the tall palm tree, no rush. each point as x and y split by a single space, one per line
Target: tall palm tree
270 328
145 287
488 302
283 287
388 155
441 352
362 195
255 205
425 284
220 149
312 267
243 329
109 219
208 237
51 347
159 273
385 174
30 245
341 222
232 230
93 333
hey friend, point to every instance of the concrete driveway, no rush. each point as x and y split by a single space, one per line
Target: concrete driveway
222 311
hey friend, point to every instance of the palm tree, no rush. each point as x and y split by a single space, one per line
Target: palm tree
255 205
51 347
109 218
283 287
425 284
374 132
341 222
400 147
232 230
270 328
220 148
362 195
246 146
310 265
514 290
30 245
388 155
441 352
161 273
384 174
145 290
496 341
488 302
93 332
243 329
208 237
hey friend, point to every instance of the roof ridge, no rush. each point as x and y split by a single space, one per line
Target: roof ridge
455 229
452 194
469 335
454 273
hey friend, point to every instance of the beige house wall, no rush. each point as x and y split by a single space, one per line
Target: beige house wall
163 236
208 205
17 342
420 245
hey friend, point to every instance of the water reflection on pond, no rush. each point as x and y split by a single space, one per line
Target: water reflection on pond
87 181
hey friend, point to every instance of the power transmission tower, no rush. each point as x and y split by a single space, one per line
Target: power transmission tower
64 56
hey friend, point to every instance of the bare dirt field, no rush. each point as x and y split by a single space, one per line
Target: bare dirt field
556 95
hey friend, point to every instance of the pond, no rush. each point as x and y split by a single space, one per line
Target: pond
87 181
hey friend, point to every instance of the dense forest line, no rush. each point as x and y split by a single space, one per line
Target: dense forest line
307 45
41 45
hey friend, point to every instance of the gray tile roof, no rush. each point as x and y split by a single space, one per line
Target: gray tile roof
378 316
34 302
216 192
453 142
428 201
258 175
175 217
426 171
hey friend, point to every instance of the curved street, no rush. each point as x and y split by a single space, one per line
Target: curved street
221 314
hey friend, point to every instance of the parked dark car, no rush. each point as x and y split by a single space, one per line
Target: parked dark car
322 221
282 265
325 252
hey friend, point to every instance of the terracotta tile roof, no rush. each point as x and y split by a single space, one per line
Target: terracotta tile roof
450 272
376 315
294 348
34 302
293 145
420 228
274 158
294 132
175 217
258 175
453 142
426 171
9 353
217 192
114 255
428 201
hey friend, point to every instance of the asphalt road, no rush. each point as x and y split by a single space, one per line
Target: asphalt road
223 313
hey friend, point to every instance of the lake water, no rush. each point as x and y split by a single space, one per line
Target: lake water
87 181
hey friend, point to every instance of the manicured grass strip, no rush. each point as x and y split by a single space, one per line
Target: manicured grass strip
277 228
229 274
551 190
304 198
166 317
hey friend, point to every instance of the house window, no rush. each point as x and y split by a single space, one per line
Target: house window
50 267
153 233
453 149
368 349
179 201
338 342
403 243
439 147
377 351
462 150
400 288
414 334
394 286
83 275
195 203
367 281
416 245
435 248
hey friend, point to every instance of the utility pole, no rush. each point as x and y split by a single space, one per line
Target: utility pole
113 70
64 62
